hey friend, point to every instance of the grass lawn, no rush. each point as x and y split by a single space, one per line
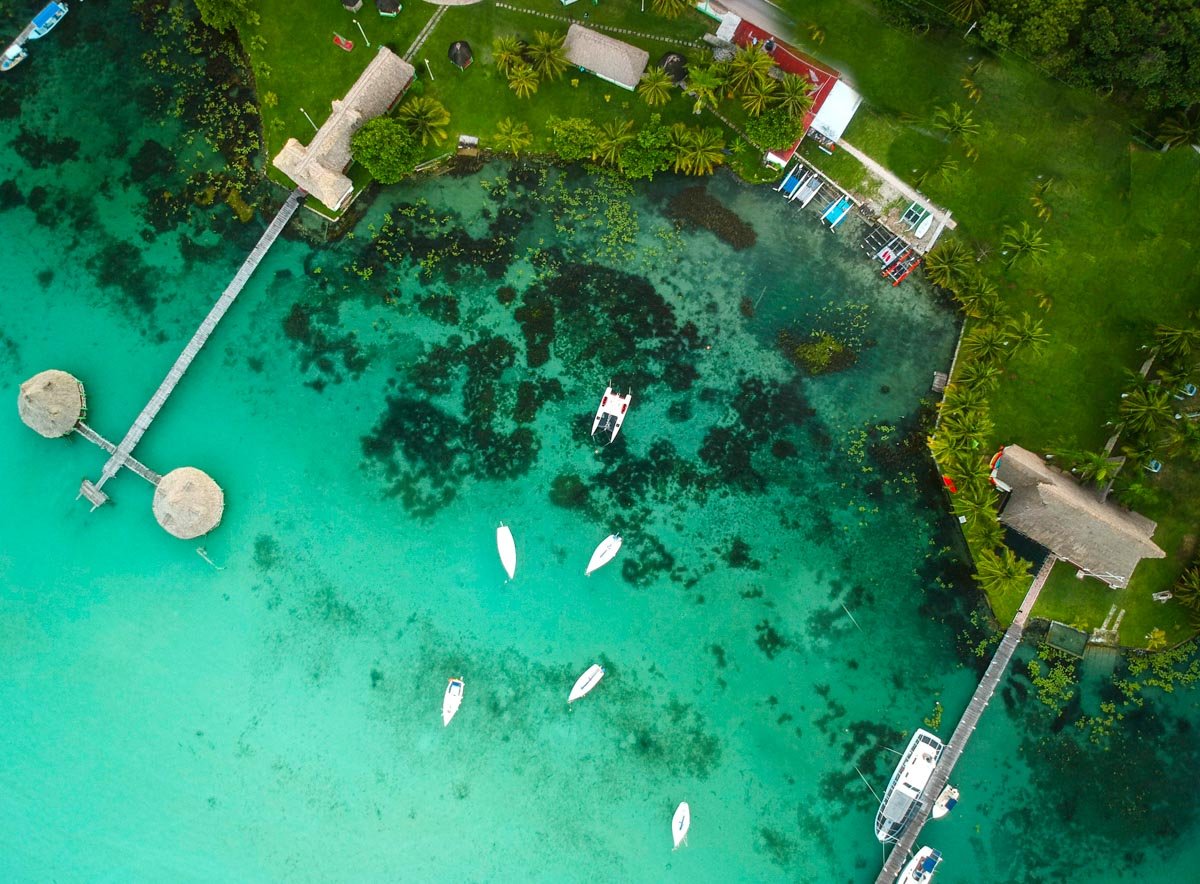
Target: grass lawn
1121 258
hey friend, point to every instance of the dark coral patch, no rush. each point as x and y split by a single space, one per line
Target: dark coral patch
695 208
39 150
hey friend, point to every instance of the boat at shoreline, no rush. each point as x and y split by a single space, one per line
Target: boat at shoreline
680 823
585 682
903 794
452 699
945 802
921 867
507 549
44 22
604 553
611 414
13 56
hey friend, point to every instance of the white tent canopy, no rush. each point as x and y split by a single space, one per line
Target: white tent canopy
837 111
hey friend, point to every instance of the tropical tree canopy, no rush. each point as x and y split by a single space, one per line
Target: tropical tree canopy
426 117
387 148
221 15
506 51
546 56
655 87
513 137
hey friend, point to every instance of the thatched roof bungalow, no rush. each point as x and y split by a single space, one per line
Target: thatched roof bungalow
51 402
319 167
609 59
1052 509
188 503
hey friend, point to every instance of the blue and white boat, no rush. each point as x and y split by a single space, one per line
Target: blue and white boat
44 21
921 867
903 795
13 56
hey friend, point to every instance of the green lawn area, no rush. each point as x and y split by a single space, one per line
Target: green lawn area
1122 256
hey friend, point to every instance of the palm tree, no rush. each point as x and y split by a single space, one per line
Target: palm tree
1028 332
680 135
975 502
960 398
750 66
506 51
980 375
704 150
1183 438
523 80
704 83
1181 129
1156 639
1146 410
948 264
956 122
1023 241
1004 574
546 55
1094 466
989 343
967 10
670 8
795 95
613 138
976 294
758 97
655 87
513 137
1176 343
986 534
1187 588
426 117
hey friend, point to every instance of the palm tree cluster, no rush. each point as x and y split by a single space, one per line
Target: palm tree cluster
749 76
527 64
1186 592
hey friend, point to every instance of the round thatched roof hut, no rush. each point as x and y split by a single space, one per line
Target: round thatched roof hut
675 65
51 403
188 503
460 54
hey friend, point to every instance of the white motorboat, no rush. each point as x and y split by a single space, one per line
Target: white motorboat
507 549
903 795
611 414
680 823
604 553
586 682
921 867
945 802
452 700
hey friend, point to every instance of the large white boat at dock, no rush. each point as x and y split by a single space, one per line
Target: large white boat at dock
903 795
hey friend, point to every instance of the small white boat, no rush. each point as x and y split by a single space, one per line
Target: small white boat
923 227
921 867
13 56
604 553
945 802
586 682
507 549
452 700
680 823
902 798
611 414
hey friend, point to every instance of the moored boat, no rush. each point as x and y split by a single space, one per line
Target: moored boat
611 414
921 867
44 22
945 802
13 56
452 699
903 794
604 553
586 682
507 549
680 823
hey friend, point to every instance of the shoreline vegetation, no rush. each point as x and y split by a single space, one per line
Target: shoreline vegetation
1071 264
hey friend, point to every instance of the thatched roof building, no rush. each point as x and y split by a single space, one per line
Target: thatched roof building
319 166
675 65
1051 508
188 503
388 8
460 54
51 403
609 59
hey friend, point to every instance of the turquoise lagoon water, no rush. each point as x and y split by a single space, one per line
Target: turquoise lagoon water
373 408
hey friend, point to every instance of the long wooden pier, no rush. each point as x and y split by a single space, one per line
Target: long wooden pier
120 456
966 726
132 463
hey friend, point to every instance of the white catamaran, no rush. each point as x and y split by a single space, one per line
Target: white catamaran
611 414
903 794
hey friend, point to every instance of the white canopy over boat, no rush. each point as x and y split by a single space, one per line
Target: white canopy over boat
586 682
508 550
452 700
680 823
604 553
611 414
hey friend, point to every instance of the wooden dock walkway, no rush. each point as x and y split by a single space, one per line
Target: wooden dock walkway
132 463
121 454
966 726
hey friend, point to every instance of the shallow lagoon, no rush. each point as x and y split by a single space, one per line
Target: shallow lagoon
372 411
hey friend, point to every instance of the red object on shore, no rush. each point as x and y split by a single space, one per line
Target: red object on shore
949 483
342 43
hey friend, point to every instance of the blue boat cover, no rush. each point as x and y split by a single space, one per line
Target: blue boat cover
44 17
929 864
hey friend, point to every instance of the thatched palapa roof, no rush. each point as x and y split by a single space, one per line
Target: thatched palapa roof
188 503
609 59
460 53
1051 508
51 403
318 167
675 65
